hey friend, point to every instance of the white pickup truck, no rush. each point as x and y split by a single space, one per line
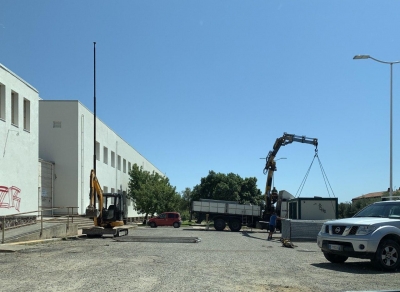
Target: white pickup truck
373 233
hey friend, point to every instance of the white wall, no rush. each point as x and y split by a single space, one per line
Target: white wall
19 146
58 142
71 147
318 209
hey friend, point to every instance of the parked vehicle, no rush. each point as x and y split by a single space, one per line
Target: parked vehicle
226 212
166 219
373 233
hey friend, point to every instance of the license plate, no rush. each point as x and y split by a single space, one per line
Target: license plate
335 247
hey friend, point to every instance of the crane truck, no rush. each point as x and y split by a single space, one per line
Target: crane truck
108 213
270 167
236 215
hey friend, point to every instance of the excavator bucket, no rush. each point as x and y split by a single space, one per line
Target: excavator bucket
92 212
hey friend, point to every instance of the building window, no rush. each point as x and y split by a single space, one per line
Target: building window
56 124
112 159
124 166
105 155
129 166
2 102
119 162
27 115
97 151
14 108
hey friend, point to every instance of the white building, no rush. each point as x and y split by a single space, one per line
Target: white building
19 144
67 138
47 152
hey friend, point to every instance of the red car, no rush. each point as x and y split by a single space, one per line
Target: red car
166 219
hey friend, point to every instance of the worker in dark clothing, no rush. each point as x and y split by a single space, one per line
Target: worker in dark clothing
272 224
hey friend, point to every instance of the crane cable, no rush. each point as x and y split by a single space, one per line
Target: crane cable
300 189
326 181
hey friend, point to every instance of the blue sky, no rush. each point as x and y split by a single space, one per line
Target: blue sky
205 85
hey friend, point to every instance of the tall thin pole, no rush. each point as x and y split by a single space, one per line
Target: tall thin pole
391 132
359 57
94 100
94 127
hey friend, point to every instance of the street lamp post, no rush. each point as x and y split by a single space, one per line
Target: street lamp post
360 57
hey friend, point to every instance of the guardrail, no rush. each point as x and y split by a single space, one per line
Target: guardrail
70 214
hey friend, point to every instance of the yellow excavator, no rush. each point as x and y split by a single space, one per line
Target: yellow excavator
107 211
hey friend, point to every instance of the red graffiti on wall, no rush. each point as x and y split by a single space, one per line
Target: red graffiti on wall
9 197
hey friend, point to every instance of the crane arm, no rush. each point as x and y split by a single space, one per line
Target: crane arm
283 141
270 165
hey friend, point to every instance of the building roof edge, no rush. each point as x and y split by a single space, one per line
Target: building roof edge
19 78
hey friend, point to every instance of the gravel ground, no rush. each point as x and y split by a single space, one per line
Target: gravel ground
222 261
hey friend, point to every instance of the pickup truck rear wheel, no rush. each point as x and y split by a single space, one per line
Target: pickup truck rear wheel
335 258
219 224
153 225
387 255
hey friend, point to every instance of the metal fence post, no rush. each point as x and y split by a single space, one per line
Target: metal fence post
3 229
41 222
68 219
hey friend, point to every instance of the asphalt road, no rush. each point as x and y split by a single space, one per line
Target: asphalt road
221 261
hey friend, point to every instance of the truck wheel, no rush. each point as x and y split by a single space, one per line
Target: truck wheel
235 225
219 224
387 255
335 258
176 224
153 225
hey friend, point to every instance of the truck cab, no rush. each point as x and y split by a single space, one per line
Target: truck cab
373 233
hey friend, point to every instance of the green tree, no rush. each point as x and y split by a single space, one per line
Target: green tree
151 192
396 193
228 187
184 205
347 210
344 210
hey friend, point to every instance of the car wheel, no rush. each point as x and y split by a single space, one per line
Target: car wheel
176 225
387 255
335 258
219 224
153 225
235 225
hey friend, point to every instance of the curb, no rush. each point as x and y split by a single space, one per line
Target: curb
15 246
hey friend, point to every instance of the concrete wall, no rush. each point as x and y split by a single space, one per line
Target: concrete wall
66 137
55 230
299 230
19 144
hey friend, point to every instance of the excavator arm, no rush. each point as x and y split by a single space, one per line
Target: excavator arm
95 192
107 222
270 165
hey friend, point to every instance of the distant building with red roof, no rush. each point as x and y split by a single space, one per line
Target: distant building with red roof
376 195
